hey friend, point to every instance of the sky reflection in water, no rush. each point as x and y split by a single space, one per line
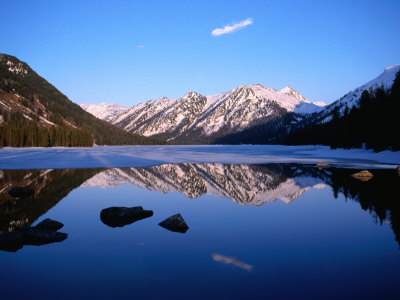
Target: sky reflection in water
241 242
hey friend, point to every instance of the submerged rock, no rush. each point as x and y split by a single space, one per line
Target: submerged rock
364 175
175 223
121 216
21 191
50 225
15 240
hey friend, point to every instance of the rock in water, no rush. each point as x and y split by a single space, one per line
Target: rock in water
364 175
13 241
398 170
121 216
38 237
50 225
175 223
21 191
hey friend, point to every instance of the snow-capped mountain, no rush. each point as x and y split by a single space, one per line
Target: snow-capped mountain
214 115
384 80
246 114
244 184
103 110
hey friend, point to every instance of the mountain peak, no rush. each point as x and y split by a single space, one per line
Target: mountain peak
389 68
287 90
258 85
190 95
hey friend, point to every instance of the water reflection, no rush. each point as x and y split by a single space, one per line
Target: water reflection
121 216
380 195
46 232
244 184
48 188
230 260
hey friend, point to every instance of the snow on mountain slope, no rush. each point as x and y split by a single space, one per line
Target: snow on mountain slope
196 115
244 184
103 110
163 115
385 80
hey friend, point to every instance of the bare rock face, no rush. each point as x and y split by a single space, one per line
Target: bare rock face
364 175
121 216
44 233
175 223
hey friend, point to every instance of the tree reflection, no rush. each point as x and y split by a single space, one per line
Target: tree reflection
25 195
43 190
380 195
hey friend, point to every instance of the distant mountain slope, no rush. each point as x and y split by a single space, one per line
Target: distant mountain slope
368 117
348 101
25 93
196 118
103 110
294 128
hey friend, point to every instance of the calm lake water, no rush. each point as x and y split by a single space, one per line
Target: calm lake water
255 232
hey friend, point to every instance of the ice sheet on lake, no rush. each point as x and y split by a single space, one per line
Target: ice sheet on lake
145 156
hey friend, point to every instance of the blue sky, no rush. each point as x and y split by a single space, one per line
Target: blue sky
126 52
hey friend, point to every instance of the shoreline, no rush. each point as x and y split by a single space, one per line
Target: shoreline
147 156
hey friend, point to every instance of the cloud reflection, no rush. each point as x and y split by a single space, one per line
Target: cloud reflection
230 260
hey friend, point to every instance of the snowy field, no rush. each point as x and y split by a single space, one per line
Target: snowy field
144 156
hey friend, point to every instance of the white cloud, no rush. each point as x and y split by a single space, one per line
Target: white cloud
140 46
232 28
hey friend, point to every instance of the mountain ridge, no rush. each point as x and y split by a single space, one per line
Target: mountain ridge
211 116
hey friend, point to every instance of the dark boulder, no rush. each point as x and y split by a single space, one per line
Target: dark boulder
21 192
50 225
175 223
13 241
398 170
121 216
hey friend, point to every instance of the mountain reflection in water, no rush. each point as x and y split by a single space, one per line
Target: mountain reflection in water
244 184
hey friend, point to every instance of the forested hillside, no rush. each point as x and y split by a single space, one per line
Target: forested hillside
373 123
42 106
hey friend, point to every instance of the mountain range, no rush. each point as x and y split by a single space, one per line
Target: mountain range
246 114
35 113
198 118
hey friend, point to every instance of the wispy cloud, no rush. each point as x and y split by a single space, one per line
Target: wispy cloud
232 28
140 46
230 260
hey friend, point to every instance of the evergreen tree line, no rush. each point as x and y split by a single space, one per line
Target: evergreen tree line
60 108
15 131
374 123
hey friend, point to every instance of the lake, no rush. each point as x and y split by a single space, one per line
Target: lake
276 230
